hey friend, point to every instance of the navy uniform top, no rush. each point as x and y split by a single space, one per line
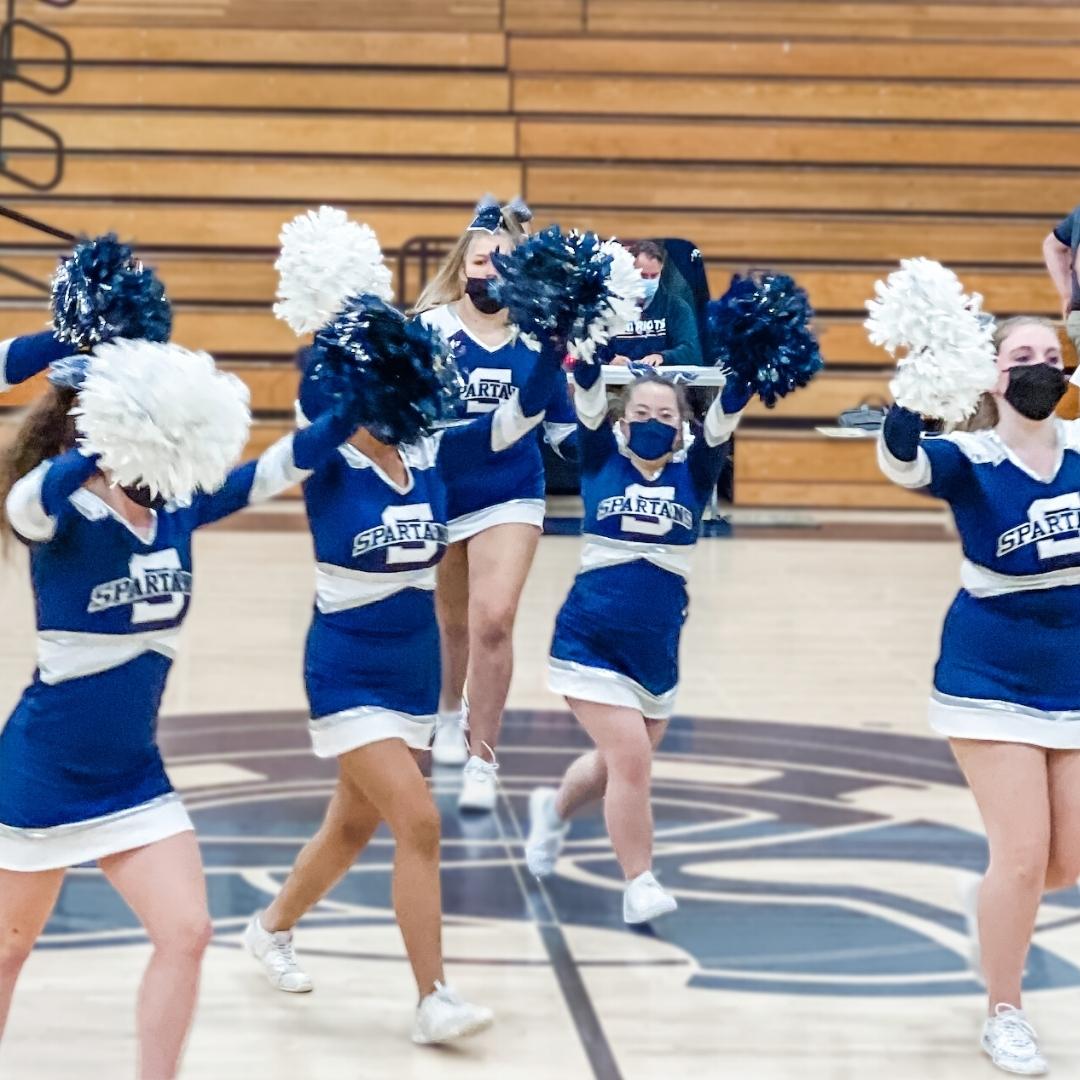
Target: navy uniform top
632 518
375 539
493 376
1020 532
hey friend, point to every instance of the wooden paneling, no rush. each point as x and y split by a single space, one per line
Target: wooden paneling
628 95
779 468
793 58
797 143
788 19
311 180
269 89
276 133
200 277
368 15
221 225
736 237
1007 292
825 398
808 187
232 48
543 16
222 332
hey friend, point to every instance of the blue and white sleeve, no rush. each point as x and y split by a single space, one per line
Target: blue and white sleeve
37 500
937 467
21 358
560 421
288 462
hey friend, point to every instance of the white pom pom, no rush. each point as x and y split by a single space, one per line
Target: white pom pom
326 258
948 364
625 290
162 417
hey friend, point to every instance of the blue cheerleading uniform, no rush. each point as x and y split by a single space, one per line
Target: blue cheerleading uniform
81 776
511 489
616 637
372 664
1007 667
22 358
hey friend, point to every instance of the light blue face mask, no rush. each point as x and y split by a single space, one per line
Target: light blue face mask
651 285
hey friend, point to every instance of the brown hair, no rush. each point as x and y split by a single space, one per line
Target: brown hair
446 286
649 248
47 429
986 414
682 400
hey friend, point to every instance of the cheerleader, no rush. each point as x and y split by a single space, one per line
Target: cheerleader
378 511
1006 690
495 517
101 484
645 483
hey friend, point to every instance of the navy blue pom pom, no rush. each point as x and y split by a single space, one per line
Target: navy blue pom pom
101 291
380 371
555 284
760 332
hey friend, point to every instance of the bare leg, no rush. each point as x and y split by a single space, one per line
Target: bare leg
1064 868
624 744
586 778
1010 784
499 562
164 885
388 774
350 822
452 607
26 902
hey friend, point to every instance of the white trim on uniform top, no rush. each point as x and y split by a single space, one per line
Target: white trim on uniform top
981 582
600 551
606 687
339 588
338 733
69 654
511 512
60 846
1003 721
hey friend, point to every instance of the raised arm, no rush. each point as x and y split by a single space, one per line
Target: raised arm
596 440
289 461
466 444
706 456
36 501
21 358
936 467
1057 254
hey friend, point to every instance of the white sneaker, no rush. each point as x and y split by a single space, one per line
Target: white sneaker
479 788
442 1017
1010 1040
275 952
547 833
644 900
968 889
449 747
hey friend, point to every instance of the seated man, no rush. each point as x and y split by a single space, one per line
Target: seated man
666 331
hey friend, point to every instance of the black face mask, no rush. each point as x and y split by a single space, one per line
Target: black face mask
478 290
141 497
1035 389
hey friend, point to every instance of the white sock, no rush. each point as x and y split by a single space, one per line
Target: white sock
451 716
554 821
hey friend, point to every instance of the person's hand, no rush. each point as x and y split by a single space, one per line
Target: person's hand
620 361
652 360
